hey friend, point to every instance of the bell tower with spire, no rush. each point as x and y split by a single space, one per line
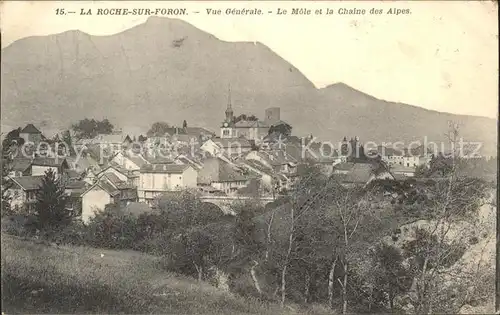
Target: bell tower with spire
227 130
229 109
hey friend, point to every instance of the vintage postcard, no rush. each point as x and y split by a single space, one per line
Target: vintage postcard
249 157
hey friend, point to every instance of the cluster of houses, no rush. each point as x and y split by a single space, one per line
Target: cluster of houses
243 160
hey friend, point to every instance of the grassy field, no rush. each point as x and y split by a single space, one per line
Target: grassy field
38 278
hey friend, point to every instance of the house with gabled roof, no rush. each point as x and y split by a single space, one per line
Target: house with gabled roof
23 191
90 176
74 190
190 133
188 160
404 157
31 134
130 161
228 146
116 140
131 177
97 197
278 160
40 165
222 176
20 167
128 192
157 178
266 174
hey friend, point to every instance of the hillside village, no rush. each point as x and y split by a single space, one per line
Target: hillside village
263 191
247 157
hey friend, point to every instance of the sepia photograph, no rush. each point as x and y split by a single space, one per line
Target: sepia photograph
249 157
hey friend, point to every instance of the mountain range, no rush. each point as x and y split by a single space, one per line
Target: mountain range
168 70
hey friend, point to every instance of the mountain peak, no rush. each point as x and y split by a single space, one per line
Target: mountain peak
344 89
342 86
158 19
161 21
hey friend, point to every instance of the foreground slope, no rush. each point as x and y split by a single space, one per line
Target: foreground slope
44 279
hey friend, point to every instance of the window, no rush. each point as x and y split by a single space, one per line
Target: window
225 132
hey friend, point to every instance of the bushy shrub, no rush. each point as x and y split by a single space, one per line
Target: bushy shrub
73 234
112 229
19 225
156 244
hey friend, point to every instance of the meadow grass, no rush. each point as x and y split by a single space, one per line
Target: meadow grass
38 278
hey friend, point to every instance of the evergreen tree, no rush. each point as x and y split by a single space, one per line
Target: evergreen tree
6 184
51 203
142 138
158 129
68 141
283 128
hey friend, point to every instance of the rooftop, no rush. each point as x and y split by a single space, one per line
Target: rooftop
193 131
232 143
31 129
77 184
28 182
218 170
165 168
20 164
277 157
258 166
137 159
111 138
107 186
46 161
251 124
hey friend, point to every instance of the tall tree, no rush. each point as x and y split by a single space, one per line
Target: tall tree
158 129
89 128
453 215
245 117
104 127
310 194
282 129
6 183
12 138
68 142
350 210
388 272
51 203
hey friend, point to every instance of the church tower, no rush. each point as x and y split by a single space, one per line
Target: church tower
229 109
227 130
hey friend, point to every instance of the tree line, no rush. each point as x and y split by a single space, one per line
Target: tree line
326 243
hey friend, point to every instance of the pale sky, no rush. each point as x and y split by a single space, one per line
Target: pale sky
443 56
